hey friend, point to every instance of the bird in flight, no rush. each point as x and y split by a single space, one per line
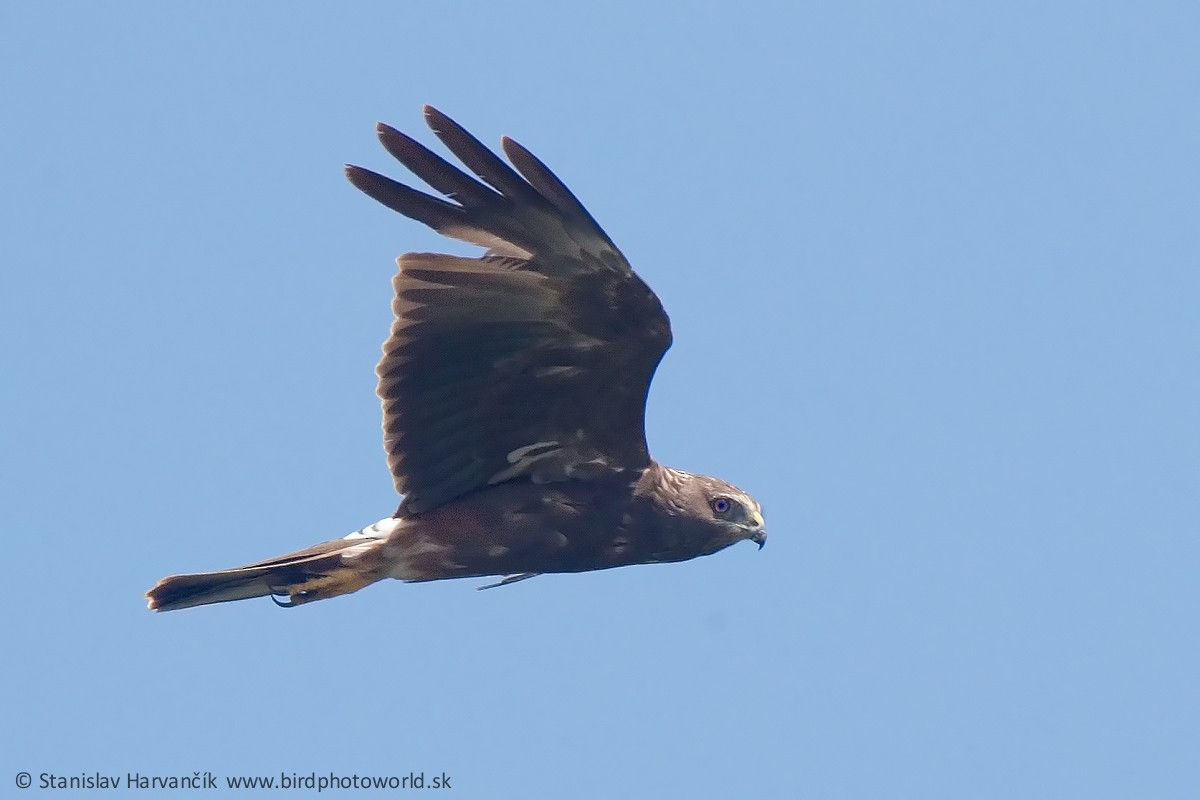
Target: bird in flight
514 394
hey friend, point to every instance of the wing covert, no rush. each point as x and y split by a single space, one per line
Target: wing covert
531 362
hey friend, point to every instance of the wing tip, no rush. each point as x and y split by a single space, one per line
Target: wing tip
385 131
371 183
154 596
434 118
380 187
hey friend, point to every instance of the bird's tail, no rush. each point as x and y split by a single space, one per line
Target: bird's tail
325 570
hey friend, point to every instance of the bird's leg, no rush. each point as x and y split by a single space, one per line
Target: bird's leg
277 593
294 598
510 579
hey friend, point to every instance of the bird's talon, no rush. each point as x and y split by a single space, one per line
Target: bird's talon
278 593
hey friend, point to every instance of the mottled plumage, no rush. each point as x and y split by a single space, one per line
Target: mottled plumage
514 391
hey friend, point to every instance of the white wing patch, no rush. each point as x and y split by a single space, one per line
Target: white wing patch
588 469
522 453
555 372
550 462
369 538
378 530
523 458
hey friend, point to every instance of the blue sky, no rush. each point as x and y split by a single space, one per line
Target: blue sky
934 274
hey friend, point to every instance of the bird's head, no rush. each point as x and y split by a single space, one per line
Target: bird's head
727 513
736 514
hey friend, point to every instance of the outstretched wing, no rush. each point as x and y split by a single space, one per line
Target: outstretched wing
531 362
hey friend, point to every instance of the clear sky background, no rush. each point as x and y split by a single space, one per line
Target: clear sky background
934 273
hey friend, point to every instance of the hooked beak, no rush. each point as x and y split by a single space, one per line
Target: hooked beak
760 535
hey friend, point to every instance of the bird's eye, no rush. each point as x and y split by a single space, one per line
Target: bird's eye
721 505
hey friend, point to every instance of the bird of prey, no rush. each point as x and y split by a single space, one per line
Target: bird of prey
514 392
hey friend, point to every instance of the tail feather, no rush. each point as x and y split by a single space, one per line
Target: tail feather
325 570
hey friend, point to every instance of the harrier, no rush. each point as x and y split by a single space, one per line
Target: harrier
514 395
